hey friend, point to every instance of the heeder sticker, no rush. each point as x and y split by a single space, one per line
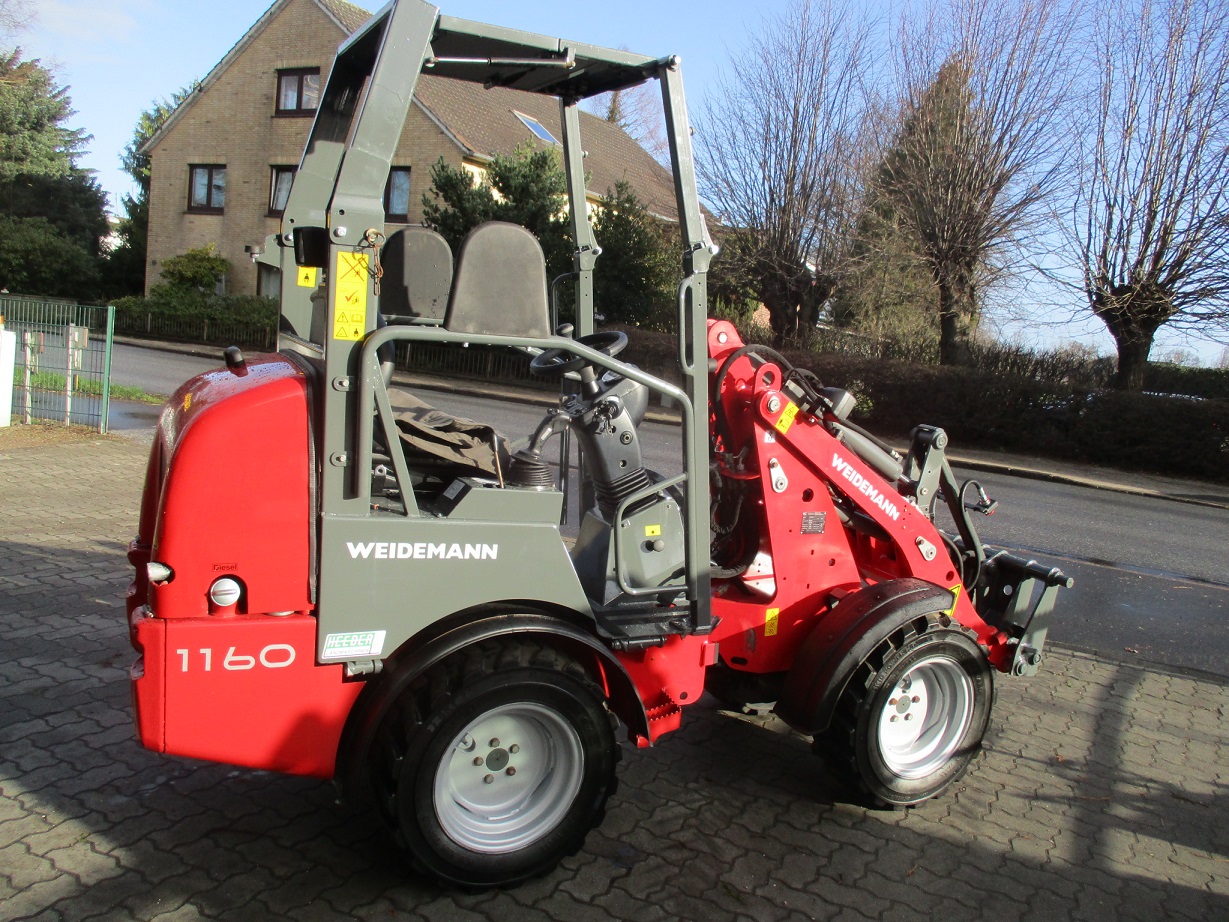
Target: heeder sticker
353 645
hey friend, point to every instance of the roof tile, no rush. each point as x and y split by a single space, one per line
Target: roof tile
349 15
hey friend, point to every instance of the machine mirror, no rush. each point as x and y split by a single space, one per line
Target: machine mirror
311 247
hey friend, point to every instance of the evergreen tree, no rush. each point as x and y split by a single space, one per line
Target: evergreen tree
887 291
33 138
527 188
52 213
635 278
126 265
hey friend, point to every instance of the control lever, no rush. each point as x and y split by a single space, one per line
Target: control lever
556 421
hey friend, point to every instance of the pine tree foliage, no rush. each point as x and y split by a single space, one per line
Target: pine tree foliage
34 140
635 278
527 188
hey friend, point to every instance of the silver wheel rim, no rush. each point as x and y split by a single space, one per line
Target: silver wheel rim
508 778
925 717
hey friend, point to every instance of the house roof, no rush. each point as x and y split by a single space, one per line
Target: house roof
483 122
348 16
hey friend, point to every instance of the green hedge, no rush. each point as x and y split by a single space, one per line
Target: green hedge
190 316
1164 378
1168 435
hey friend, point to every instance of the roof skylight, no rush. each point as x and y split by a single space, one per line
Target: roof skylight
536 127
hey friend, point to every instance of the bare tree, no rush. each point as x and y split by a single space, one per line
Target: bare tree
975 153
15 16
779 142
1152 214
637 110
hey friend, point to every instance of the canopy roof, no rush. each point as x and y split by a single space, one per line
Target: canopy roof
496 56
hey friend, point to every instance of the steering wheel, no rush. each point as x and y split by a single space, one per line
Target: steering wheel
554 363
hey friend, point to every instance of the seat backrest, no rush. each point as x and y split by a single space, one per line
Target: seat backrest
500 284
417 275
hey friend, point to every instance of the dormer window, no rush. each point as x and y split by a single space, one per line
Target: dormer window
537 128
298 91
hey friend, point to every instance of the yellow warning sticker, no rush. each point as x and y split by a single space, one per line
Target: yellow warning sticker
187 402
771 620
307 276
787 418
955 591
652 531
350 313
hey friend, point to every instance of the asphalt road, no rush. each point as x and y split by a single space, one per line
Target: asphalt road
1152 576
155 371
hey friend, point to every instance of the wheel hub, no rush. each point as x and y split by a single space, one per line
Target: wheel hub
508 778
925 717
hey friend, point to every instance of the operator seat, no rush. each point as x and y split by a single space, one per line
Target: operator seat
500 284
499 289
417 278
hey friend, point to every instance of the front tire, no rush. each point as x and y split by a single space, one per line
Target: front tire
913 715
497 764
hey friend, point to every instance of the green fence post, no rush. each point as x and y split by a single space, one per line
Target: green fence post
106 371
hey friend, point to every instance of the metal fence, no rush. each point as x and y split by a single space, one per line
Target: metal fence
63 360
452 360
210 331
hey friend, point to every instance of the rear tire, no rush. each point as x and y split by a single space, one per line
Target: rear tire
496 764
913 715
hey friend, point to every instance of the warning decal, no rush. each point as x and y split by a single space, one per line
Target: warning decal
955 591
350 313
307 276
787 418
771 620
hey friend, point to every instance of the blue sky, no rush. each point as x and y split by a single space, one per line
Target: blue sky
117 56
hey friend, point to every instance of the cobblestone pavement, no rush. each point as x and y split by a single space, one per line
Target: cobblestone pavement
1102 795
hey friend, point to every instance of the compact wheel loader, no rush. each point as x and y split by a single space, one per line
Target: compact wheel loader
335 579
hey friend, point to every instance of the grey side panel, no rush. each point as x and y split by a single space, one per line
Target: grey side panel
400 575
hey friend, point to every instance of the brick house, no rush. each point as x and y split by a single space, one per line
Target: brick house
222 164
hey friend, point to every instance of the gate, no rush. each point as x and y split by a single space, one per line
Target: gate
62 362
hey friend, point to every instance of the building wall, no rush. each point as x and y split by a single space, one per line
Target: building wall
232 123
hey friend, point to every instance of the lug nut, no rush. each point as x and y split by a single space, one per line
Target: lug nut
908 717
477 760
489 779
511 770
494 743
514 748
915 699
892 701
892 719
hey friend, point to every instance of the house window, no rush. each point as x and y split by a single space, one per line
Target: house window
298 91
207 188
397 195
280 178
536 127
